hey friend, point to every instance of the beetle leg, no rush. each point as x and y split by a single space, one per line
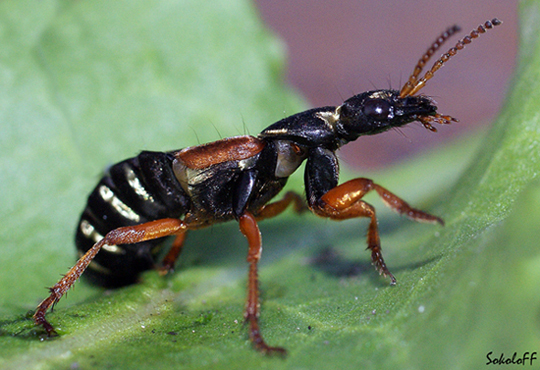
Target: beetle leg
344 202
276 208
248 227
122 235
167 265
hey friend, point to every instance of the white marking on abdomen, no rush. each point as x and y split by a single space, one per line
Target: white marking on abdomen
120 207
136 185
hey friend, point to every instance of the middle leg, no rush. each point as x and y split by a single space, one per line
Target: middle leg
167 265
248 227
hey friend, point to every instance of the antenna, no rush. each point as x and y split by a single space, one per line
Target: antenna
413 85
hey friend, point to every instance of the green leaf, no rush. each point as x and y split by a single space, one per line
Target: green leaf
85 84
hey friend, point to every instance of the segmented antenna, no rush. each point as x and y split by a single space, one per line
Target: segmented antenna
413 85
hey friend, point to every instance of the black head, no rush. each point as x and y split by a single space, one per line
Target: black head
376 111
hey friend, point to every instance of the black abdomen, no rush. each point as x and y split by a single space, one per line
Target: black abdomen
132 192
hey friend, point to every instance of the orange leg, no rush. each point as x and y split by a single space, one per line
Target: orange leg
275 208
344 202
167 265
248 227
122 235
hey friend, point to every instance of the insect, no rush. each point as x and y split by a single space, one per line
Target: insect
144 199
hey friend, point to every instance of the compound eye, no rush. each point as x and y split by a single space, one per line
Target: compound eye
378 109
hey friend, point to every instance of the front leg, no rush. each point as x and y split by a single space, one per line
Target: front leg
275 208
339 202
344 202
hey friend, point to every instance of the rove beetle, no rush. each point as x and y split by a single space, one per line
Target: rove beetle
143 199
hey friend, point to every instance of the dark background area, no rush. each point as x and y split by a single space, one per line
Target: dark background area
340 48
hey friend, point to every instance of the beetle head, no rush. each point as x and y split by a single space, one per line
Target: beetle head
376 111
